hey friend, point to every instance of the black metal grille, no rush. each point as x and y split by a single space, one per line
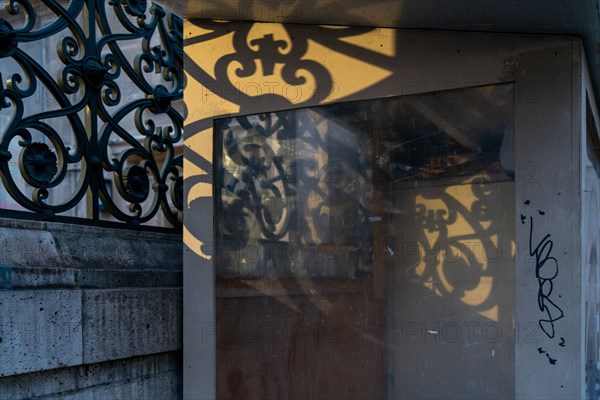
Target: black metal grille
102 142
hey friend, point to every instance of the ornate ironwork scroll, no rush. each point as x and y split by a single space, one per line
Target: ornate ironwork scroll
92 101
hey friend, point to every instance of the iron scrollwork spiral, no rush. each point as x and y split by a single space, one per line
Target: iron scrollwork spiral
111 115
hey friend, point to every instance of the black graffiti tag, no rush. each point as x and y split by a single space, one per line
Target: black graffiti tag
546 270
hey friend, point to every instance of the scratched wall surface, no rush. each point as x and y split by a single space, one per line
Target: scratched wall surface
245 69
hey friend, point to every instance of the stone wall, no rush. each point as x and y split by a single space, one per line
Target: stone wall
89 312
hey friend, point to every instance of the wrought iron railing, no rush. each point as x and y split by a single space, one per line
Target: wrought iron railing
92 102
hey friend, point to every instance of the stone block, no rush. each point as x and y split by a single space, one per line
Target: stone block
58 245
39 330
20 246
156 376
121 323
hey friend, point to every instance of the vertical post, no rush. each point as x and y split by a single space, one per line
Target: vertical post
548 221
91 116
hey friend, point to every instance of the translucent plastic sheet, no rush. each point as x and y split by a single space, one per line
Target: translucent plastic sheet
366 249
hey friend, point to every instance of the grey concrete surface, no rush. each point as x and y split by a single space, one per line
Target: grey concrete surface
122 323
156 376
39 329
89 313
31 277
53 245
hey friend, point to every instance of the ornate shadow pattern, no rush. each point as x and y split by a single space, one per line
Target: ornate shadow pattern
273 69
397 208
118 84
292 182
275 63
319 178
402 207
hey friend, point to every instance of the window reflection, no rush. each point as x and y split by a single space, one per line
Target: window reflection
366 249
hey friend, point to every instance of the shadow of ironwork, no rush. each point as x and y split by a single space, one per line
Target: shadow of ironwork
346 220
312 200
